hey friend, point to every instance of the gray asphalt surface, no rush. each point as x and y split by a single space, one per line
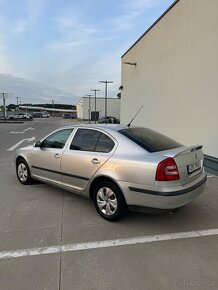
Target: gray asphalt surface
42 216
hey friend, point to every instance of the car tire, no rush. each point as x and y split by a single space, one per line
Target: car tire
109 201
23 172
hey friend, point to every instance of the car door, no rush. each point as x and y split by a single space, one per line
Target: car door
46 159
88 151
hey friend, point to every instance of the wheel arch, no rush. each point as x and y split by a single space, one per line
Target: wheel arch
20 157
103 178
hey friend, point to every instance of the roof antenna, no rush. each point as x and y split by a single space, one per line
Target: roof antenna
134 117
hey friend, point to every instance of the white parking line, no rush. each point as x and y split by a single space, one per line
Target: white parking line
106 244
27 129
23 131
17 144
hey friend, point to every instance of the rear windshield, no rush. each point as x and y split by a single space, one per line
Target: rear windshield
150 140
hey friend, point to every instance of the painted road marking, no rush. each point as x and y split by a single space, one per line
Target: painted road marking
28 129
23 131
16 132
106 244
20 142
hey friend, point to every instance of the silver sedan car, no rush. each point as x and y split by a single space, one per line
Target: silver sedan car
116 166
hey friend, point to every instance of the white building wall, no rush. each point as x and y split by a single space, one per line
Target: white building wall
79 108
176 76
113 107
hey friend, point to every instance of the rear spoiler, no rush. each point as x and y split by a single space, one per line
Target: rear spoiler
190 149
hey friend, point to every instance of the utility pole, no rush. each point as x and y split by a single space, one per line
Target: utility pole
3 97
53 105
89 108
106 82
5 115
94 90
18 109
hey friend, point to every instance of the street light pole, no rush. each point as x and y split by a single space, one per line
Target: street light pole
17 109
94 90
3 97
89 108
106 82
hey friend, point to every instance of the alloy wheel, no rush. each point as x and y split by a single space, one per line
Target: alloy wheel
22 172
107 201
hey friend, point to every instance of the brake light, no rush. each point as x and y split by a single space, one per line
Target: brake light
167 170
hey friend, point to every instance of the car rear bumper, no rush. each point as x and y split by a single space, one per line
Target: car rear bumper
138 196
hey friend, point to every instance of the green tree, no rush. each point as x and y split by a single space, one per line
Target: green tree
11 107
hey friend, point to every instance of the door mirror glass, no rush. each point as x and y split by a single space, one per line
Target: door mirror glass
38 144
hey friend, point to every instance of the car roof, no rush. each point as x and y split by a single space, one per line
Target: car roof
113 127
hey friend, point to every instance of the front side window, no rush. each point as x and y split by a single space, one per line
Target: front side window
57 140
91 140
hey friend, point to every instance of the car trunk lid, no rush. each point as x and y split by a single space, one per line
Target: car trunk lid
189 161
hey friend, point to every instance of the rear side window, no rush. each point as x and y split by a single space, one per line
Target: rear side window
91 140
85 140
105 144
150 140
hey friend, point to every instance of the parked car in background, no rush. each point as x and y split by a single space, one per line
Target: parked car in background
19 116
108 119
36 115
116 166
45 114
40 115
68 116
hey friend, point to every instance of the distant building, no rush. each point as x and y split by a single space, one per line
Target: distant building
172 70
113 108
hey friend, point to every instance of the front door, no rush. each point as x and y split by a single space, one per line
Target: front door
46 159
89 150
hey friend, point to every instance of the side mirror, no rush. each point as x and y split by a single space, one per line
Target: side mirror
38 144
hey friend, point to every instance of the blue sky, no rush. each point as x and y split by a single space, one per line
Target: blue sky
71 45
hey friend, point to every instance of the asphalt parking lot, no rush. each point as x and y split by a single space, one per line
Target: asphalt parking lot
53 239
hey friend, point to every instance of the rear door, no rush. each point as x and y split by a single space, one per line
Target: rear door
88 151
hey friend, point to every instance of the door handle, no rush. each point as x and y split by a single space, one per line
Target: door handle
95 161
57 156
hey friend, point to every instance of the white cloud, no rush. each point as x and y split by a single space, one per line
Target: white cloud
132 11
5 65
125 22
80 43
71 23
61 46
81 49
137 5
75 34
68 21
33 10
31 91
20 26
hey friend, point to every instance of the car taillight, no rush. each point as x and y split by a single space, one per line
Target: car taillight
167 170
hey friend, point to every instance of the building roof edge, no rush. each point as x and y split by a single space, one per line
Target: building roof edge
158 19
